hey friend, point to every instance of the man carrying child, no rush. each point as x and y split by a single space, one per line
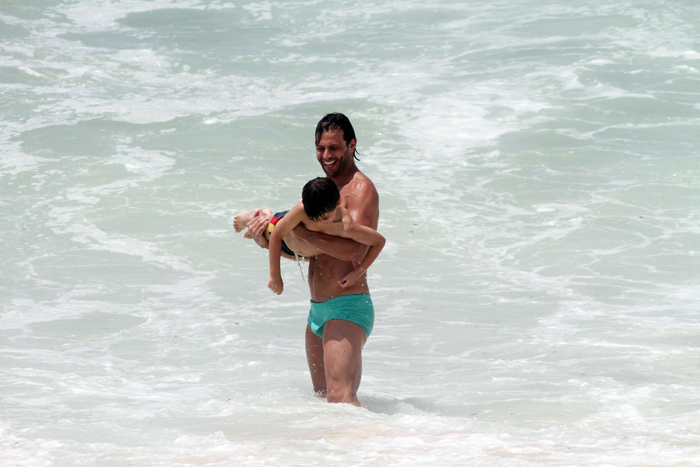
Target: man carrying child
342 314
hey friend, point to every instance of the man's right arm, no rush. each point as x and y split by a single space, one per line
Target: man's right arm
337 247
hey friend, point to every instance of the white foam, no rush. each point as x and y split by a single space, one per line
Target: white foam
103 15
261 11
13 160
150 165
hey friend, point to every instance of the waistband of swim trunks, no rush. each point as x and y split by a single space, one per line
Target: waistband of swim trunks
342 298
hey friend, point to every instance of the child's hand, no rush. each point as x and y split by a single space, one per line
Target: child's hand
275 284
350 278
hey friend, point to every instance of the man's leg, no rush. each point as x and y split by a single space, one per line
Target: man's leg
342 358
314 356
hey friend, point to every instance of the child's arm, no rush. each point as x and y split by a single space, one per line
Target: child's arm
283 227
366 236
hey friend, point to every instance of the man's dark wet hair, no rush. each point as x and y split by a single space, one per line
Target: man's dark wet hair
320 197
337 121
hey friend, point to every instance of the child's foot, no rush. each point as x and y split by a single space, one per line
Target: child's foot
241 220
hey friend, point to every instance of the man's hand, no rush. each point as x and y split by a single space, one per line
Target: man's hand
256 230
350 278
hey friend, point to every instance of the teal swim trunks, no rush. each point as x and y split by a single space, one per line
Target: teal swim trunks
356 308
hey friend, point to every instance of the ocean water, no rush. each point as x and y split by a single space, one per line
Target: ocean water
538 300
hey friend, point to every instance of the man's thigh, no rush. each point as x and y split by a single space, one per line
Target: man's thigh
342 349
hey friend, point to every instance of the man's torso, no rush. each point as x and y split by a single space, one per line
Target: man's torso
325 271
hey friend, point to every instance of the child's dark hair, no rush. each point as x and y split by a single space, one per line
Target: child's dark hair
320 197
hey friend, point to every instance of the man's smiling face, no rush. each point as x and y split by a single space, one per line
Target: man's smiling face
333 153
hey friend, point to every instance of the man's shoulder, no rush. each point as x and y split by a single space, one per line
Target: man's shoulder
360 197
361 185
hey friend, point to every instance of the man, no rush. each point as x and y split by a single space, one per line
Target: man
340 319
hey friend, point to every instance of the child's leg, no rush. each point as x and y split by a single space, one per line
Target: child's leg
240 221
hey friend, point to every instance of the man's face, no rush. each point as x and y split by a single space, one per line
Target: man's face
334 155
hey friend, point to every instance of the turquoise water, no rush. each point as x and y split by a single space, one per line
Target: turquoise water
537 164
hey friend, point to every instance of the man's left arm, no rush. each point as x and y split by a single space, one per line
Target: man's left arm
363 205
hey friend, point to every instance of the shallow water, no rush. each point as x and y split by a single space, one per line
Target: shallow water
537 300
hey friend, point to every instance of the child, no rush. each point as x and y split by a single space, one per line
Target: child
319 210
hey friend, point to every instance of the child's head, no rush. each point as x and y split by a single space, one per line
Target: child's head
320 197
